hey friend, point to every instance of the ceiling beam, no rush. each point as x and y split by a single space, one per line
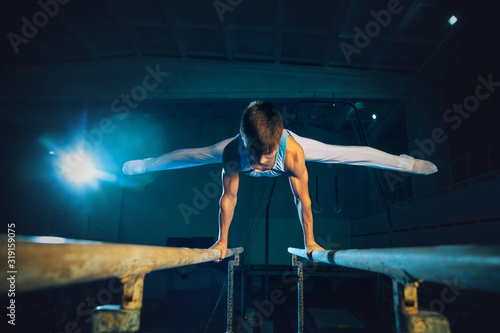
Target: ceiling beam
119 20
226 36
169 19
415 40
251 28
306 31
42 50
389 42
466 21
359 64
34 43
278 38
349 15
199 26
338 19
74 31
196 79
260 57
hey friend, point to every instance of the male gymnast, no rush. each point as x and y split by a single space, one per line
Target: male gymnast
263 148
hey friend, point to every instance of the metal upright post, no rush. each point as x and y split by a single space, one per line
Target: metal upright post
300 293
268 207
230 291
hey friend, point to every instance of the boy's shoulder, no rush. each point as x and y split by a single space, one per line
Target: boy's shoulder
293 148
294 157
231 156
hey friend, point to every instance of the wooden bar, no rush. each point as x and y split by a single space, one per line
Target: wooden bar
42 262
474 266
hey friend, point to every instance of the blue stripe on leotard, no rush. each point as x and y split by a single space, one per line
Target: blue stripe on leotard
279 164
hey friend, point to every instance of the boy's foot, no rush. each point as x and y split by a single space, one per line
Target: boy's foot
134 167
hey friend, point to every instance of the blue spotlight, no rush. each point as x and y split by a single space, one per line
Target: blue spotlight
452 20
374 116
81 172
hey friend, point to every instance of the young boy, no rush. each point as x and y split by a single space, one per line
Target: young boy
263 148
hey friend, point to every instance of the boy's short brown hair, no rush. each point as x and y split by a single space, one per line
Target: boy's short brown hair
261 127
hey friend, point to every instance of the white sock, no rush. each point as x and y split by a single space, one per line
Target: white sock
134 167
423 167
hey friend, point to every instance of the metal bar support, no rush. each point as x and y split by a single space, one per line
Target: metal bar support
124 318
230 291
300 293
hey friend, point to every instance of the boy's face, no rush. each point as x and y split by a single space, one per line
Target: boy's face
265 160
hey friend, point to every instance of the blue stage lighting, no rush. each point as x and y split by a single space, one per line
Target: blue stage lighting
82 172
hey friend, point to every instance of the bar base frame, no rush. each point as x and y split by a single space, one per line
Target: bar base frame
408 317
230 291
300 293
112 318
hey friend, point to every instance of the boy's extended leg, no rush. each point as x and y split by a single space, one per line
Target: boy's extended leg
316 151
